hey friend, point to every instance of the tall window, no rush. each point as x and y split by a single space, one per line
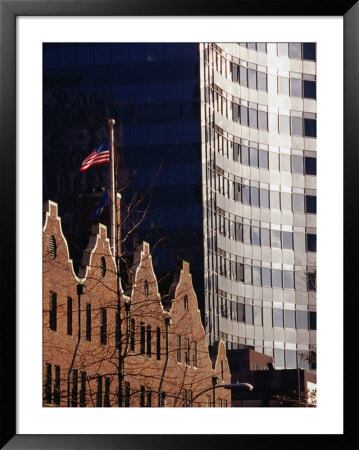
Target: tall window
127 394
185 302
142 396
142 338
149 398
83 389
132 334
186 351
99 391
146 288
103 328
48 383
57 387
74 388
106 400
149 346
158 343
162 399
88 321
178 348
69 316
53 311
194 354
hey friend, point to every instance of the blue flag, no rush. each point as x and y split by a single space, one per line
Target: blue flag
104 201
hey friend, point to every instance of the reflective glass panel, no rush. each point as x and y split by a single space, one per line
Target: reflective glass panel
253 157
263 159
264 198
289 318
262 81
310 89
288 279
302 320
295 50
249 314
267 317
278 318
254 196
296 88
256 276
255 236
276 278
297 126
283 85
297 164
266 277
287 240
279 358
257 312
265 237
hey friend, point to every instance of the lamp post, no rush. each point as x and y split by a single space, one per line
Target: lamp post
241 386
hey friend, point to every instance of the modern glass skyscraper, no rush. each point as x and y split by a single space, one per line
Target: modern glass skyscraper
258 120
225 135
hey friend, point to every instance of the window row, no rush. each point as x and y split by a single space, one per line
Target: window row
251 156
297 87
265 237
298 50
251 78
186 351
267 317
264 198
145 339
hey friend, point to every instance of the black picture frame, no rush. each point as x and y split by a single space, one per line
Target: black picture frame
9 10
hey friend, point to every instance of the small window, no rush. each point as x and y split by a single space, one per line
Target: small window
146 288
52 247
102 266
53 311
185 302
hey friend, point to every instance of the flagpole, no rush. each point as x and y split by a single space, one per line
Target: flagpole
112 192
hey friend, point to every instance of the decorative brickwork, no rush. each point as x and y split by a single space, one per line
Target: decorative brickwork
104 348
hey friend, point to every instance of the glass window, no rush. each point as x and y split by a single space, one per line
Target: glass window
267 317
284 124
296 88
255 236
253 157
295 50
313 320
253 123
248 274
235 73
240 312
249 314
244 155
311 281
252 45
265 237
299 242
310 90
273 161
311 204
254 196
309 51
274 200
262 81
302 320
286 201
283 85
246 234
263 159
290 359
264 198
297 164
277 278
256 276
310 127
287 240
239 232
236 150
235 109
311 242
243 76
266 277
278 318
257 313
298 203
285 163
289 318
262 47
245 195
297 126
244 116
310 166
252 79
263 120
283 49
279 358
288 279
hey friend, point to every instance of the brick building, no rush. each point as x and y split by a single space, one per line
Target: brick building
104 345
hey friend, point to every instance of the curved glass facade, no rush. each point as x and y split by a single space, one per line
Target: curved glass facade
258 124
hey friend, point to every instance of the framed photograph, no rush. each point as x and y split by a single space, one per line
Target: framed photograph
269 102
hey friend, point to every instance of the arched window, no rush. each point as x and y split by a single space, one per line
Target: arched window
146 288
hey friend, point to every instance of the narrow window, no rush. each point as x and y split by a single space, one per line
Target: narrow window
185 302
142 338
132 334
184 398
74 388
99 391
57 386
149 398
194 354
162 399
88 321
222 371
158 343
48 383
106 400
311 281
146 288
69 316
53 311
103 328
149 344
118 330
83 390
208 398
186 352
127 394
142 396
178 348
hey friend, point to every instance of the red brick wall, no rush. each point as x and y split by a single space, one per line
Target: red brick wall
146 370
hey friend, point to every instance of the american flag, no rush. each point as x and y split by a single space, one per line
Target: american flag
100 155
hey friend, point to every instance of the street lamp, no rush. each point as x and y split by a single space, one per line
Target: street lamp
238 386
